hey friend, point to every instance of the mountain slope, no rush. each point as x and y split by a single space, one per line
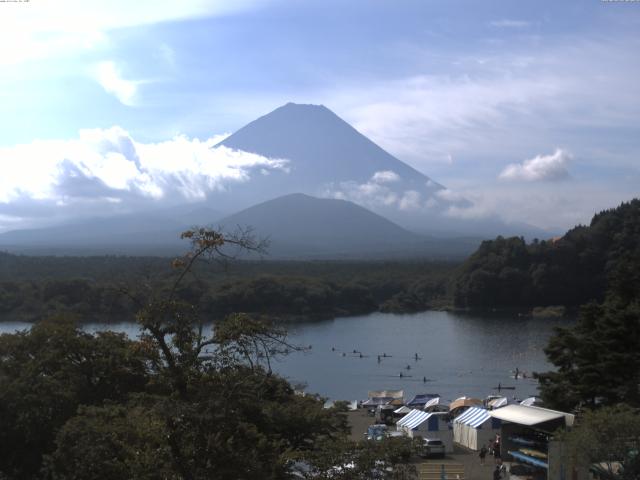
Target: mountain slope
323 147
151 232
302 226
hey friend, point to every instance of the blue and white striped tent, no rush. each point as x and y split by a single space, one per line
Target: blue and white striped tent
474 428
418 423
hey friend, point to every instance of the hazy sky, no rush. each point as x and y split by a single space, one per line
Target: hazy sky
531 109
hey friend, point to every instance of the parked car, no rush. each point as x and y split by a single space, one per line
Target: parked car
432 447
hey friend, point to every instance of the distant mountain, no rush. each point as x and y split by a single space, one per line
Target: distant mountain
324 157
299 225
152 232
329 158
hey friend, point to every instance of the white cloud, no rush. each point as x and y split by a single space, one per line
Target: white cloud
546 205
450 196
410 200
432 118
107 167
516 99
42 29
509 23
385 176
108 75
540 168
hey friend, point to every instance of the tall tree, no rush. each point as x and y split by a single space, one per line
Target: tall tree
608 440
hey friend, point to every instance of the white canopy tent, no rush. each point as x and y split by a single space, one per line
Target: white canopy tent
498 402
524 415
475 428
402 410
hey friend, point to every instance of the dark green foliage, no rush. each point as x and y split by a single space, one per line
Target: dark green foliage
46 373
112 442
291 296
598 360
609 440
572 270
91 288
369 459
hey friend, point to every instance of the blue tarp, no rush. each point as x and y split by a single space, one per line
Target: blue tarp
522 441
530 460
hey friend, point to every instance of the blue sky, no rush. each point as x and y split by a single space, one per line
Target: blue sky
531 109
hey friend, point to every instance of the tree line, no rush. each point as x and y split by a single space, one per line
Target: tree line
30 289
571 270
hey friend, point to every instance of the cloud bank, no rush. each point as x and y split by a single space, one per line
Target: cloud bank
540 168
385 189
106 170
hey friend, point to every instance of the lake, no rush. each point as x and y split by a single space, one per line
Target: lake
459 354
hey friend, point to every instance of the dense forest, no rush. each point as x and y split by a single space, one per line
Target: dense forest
97 288
571 270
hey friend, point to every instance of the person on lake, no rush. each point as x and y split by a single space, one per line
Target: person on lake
400 374
517 372
424 379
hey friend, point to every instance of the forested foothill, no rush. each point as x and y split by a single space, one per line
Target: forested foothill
32 288
571 270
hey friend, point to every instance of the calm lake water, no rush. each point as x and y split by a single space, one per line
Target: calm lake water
460 354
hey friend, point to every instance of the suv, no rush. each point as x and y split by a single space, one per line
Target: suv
432 447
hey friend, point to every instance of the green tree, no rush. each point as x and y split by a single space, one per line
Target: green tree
597 361
609 439
46 373
220 409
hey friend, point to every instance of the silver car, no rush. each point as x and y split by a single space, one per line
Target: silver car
432 447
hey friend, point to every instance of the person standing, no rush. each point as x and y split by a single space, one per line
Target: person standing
497 473
483 454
